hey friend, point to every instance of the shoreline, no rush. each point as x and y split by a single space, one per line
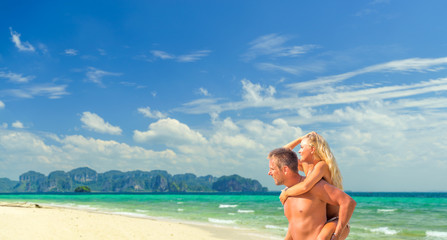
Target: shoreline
37 221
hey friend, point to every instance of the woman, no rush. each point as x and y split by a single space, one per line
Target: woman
317 162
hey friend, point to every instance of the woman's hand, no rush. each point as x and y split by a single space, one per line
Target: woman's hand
334 237
283 197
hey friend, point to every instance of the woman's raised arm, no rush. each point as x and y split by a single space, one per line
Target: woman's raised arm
291 145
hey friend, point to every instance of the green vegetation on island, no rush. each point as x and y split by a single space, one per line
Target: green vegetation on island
133 181
82 189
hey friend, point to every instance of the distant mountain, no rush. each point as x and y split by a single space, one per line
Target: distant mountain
133 181
7 185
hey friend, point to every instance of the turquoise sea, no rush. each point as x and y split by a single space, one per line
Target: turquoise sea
377 215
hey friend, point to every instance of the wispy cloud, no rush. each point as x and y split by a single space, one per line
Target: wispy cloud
71 52
191 57
96 75
2 105
102 52
16 77
95 123
204 92
162 55
406 65
46 90
274 67
147 112
22 46
273 45
53 92
257 96
194 56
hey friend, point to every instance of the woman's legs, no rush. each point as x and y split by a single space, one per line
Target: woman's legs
329 229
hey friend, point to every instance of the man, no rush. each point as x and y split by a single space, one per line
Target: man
307 212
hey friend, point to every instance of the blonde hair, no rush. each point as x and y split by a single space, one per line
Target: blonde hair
324 153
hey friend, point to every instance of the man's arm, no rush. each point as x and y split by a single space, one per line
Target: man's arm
334 196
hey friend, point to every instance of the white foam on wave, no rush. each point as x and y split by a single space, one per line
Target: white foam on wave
386 210
275 227
141 211
227 206
180 210
221 221
384 230
129 214
86 207
436 234
245 211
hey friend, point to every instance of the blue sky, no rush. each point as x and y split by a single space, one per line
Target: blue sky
210 87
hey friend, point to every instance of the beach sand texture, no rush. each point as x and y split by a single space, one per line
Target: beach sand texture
31 221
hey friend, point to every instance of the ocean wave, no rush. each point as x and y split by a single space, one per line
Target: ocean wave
384 230
129 214
227 206
436 234
221 221
386 210
275 227
245 211
141 211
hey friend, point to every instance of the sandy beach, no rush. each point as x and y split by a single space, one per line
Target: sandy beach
30 221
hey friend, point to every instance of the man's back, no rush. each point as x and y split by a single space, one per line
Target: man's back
306 214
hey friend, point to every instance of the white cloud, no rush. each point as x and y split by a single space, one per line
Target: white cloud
102 52
22 151
406 65
162 55
194 56
151 114
274 67
2 105
204 92
170 132
18 124
109 150
273 45
71 52
96 75
22 46
321 93
50 91
255 93
95 123
43 48
15 77
292 69
191 57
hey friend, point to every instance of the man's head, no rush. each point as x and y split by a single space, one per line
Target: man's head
282 161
